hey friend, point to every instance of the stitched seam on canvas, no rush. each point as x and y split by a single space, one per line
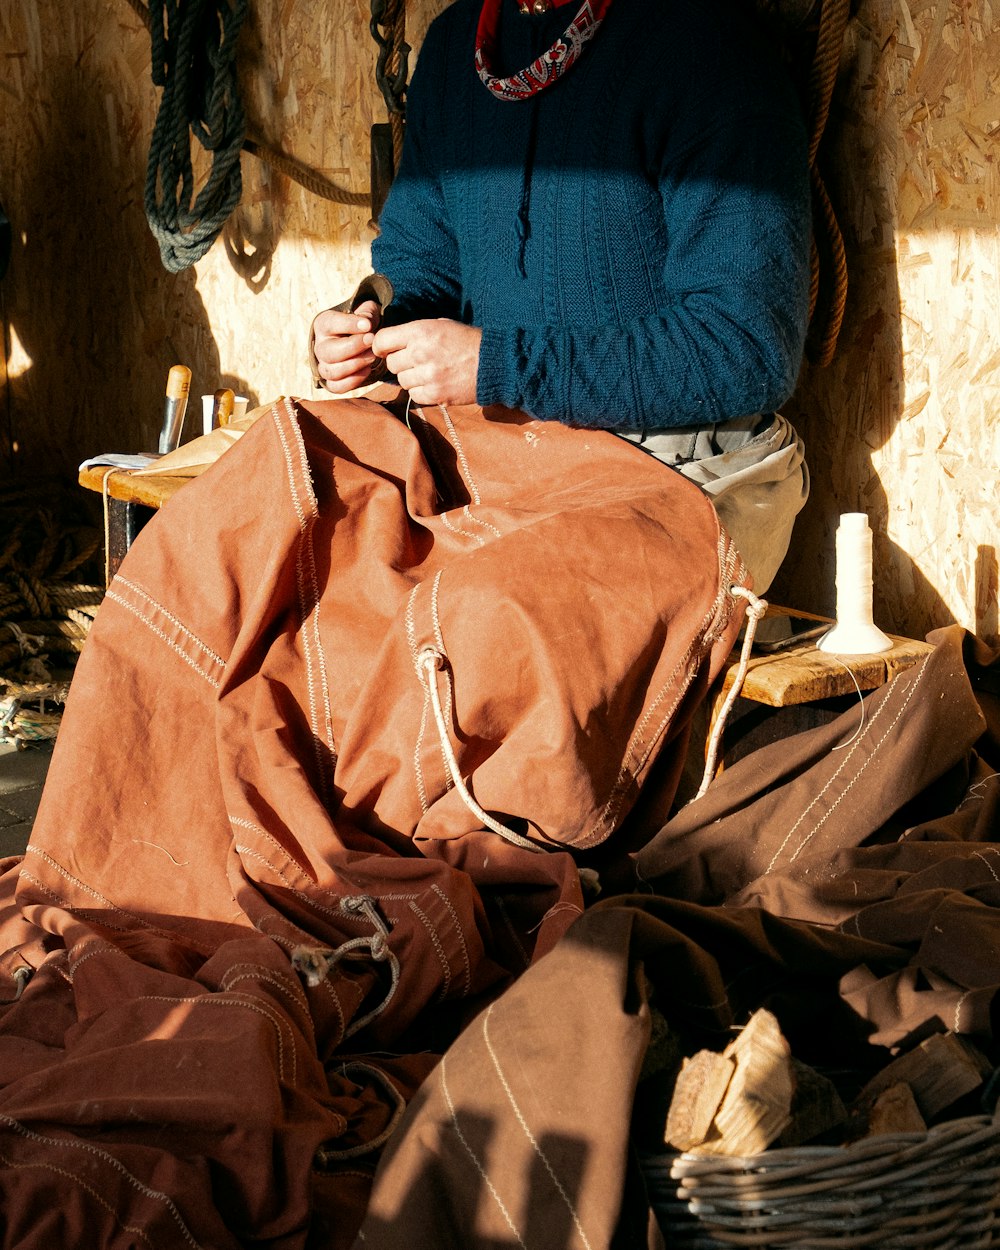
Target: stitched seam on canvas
527 1131
90 948
243 823
307 606
137 590
442 1066
214 682
289 986
246 1003
956 1026
486 525
631 764
80 1183
461 936
119 1167
458 531
857 776
411 638
291 944
439 639
993 871
68 876
64 903
456 442
438 948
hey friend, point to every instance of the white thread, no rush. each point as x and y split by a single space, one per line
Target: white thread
174 620
473 1156
527 1130
855 632
840 745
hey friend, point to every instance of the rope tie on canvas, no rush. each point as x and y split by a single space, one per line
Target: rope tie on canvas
755 609
430 662
22 976
315 963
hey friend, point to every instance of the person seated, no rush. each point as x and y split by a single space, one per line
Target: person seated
602 217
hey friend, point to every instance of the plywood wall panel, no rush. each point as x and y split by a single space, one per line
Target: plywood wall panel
903 425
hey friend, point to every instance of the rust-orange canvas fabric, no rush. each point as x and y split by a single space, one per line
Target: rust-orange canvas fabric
260 897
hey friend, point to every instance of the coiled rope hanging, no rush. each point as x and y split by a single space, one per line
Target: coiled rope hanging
194 61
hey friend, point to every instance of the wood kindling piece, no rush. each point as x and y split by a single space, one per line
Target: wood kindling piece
738 1102
940 1071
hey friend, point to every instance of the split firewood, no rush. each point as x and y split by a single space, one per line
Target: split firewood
736 1103
701 1084
757 1103
895 1110
940 1071
817 1107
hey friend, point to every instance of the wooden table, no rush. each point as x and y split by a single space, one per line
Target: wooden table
809 687
130 501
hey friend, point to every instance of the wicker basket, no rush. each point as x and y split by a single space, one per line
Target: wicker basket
925 1191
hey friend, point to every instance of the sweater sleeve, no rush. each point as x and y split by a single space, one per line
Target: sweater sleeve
728 335
416 247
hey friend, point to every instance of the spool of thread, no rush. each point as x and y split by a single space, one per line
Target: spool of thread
855 632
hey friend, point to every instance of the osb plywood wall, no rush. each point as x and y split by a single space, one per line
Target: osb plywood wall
904 425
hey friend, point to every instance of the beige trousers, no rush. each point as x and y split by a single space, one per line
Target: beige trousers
754 471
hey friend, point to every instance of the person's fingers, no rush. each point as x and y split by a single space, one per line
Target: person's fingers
350 383
392 339
332 323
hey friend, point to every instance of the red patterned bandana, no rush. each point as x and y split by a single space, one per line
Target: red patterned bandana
550 66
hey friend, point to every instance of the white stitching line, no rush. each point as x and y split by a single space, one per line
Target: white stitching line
80 1183
411 638
458 929
847 759
306 606
108 1158
980 855
138 590
439 639
64 903
289 989
700 645
185 656
438 949
456 442
486 525
469 1151
356 887
527 1131
259 1006
81 885
957 1025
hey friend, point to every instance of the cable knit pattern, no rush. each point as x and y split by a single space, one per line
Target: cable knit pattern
634 241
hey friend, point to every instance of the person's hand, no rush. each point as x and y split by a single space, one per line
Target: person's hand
342 345
436 361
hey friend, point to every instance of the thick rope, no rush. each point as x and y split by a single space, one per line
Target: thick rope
193 47
429 663
755 609
833 18
292 168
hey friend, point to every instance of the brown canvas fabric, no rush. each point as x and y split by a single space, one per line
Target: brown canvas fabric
857 896
256 904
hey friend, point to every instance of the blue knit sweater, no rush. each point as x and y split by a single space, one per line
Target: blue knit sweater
633 241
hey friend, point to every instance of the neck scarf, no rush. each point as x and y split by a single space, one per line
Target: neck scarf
546 69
